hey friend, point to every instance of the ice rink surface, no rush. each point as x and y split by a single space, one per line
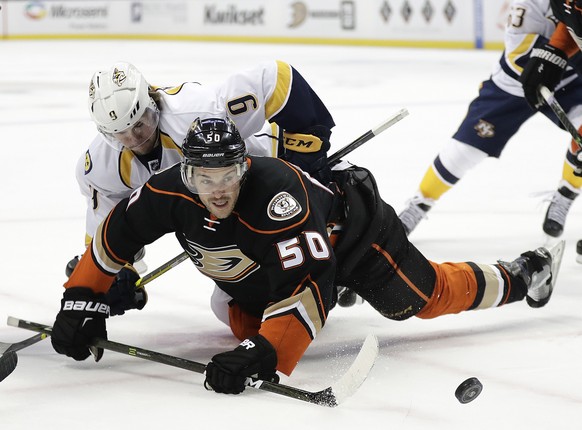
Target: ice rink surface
527 359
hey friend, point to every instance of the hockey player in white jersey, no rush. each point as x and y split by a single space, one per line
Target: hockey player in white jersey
496 115
141 129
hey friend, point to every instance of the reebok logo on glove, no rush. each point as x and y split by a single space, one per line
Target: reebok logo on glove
82 305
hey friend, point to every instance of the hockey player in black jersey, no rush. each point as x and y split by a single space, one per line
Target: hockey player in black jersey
278 243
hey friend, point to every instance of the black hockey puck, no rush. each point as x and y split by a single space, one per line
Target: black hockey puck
468 390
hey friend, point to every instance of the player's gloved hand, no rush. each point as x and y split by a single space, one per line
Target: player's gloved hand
545 67
124 294
81 318
227 371
308 151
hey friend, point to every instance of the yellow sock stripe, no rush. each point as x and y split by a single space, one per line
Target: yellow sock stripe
432 185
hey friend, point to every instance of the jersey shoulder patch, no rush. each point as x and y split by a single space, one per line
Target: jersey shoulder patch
88 162
283 206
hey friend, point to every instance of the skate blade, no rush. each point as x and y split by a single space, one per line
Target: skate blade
557 252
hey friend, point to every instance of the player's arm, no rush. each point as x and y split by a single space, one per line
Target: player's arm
547 64
301 289
85 306
301 286
301 124
92 180
562 39
527 28
305 123
289 324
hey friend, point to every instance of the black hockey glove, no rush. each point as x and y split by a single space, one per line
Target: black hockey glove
308 151
545 67
124 294
227 371
81 318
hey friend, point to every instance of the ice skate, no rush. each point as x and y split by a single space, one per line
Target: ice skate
415 212
558 211
539 270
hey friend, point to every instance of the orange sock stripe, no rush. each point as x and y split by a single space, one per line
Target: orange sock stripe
507 280
455 290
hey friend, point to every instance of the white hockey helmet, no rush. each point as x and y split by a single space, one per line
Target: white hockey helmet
119 101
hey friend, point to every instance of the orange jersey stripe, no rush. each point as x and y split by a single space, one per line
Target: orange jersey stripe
400 272
169 193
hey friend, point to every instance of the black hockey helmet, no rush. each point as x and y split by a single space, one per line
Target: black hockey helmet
212 144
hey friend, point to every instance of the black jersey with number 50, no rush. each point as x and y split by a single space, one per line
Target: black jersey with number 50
272 254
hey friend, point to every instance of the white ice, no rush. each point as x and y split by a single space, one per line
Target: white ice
527 359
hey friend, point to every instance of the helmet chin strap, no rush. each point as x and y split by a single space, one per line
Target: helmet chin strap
158 138
156 143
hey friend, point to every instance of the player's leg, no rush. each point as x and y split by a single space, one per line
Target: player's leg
469 286
399 282
492 119
570 184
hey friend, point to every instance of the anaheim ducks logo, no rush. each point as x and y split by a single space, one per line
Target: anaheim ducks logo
226 263
283 206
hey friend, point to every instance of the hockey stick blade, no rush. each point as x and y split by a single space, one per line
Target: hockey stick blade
358 371
8 362
336 156
345 387
8 357
331 396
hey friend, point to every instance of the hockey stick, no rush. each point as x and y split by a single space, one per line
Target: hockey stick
335 157
8 357
162 269
561 114
331 396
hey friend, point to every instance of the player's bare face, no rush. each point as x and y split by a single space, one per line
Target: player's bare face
142 137
218 189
